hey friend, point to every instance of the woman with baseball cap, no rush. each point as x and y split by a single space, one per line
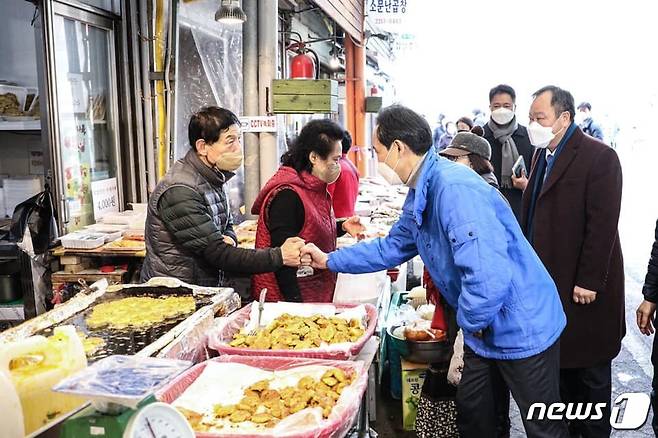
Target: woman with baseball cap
474 151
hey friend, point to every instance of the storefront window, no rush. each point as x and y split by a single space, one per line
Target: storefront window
86 123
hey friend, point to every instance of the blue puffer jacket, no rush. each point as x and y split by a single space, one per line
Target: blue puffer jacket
474 249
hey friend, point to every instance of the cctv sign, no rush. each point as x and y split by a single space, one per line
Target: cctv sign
258 123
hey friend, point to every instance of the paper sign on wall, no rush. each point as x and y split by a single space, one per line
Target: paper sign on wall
105 195
258 123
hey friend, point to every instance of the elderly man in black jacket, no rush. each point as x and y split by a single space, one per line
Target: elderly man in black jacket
645 321
189 228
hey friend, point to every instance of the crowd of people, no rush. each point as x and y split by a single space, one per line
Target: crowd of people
527 264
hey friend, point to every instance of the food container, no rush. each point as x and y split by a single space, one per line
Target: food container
82 240
219 339
421 351
35 365
336 425
122 380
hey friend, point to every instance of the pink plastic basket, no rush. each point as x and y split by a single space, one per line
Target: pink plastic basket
338 423
218 340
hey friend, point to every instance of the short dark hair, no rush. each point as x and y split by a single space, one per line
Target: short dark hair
467 121
208 123
585 105
480 165
347 141
561 100
397 122
502 89
317 136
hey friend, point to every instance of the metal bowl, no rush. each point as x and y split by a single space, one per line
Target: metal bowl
421 351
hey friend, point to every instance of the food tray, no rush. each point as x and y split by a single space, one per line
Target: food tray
82 240
125 380
218 340
335 426
126 245
106 228
130 340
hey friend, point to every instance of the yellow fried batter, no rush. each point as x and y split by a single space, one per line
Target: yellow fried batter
239 416
288 332
138 312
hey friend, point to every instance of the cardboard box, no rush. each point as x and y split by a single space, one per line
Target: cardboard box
413 377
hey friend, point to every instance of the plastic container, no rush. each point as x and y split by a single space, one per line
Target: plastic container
35 365
10 406
336 425
106 228
219 339
82 240
123 380
19 92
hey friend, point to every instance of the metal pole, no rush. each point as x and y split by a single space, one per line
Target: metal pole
250 97
147 95
267 55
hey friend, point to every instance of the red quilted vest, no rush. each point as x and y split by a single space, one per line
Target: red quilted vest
319 228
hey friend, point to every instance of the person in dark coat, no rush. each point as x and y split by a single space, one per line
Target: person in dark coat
586 123
646 314
508 140
570 215
189 228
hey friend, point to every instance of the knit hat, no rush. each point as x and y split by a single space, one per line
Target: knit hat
466 143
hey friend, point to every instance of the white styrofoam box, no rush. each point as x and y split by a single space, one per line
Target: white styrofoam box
359 288
133 219
83 240
19 92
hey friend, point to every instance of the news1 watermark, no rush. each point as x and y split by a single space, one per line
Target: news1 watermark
628 412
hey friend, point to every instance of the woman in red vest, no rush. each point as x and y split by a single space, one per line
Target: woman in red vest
295 202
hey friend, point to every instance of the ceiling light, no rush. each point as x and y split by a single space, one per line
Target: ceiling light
230 12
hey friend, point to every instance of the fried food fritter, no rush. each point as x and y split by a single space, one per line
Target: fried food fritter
288 332
265 407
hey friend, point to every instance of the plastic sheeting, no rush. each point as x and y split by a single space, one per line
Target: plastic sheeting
219 339
208 72
310 426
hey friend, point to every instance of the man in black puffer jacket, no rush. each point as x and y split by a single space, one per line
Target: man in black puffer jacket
645 320
189 228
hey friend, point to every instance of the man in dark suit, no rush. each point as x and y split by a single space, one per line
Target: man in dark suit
570 215
508 140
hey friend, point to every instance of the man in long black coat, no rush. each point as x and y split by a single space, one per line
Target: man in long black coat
570 215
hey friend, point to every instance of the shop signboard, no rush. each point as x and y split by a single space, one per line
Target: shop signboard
389 15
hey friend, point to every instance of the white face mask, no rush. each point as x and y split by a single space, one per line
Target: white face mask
502 116
389 173
540 136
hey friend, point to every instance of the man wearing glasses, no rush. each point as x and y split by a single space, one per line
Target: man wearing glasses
508 140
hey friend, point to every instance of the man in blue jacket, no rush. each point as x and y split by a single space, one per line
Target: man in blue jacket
507 304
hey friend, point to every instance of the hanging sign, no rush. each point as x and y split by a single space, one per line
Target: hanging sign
258 123
387 14
105 195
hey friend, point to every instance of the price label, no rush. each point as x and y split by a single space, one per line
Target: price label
105 195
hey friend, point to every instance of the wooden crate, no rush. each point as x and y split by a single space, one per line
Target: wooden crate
304 96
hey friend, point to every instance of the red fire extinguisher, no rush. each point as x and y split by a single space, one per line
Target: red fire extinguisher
302 65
